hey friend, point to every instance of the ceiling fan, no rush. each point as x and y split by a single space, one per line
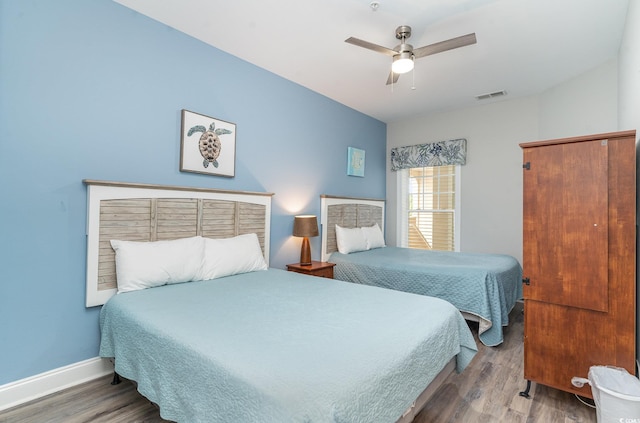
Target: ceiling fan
404 54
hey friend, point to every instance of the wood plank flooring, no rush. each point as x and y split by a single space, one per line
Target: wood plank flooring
487 391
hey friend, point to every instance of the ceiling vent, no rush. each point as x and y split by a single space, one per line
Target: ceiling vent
491 95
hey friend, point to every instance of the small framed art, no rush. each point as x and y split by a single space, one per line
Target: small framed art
355 162
207 145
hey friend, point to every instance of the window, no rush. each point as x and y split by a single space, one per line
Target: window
429 198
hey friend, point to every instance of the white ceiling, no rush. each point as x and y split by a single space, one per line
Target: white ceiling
523 46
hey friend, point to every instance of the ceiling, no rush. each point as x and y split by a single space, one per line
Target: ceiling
523 46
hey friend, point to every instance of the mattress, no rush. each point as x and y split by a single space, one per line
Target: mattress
484 285
276 346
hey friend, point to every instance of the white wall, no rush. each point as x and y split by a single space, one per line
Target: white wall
491 194
491 185
629 70
587 104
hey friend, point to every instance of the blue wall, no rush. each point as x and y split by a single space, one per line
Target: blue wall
93 90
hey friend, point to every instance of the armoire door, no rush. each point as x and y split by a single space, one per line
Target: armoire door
565 224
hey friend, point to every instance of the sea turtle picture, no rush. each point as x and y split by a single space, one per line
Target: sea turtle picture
210 145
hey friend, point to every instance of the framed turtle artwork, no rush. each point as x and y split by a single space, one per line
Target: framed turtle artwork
207 145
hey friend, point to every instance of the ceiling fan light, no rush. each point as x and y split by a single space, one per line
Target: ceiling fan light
402 63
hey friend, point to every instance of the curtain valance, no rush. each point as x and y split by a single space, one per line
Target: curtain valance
441 153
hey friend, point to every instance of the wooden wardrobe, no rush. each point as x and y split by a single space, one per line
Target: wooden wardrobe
579 257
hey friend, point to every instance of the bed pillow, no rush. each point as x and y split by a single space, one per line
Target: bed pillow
374 237
141 265
230 256
350 240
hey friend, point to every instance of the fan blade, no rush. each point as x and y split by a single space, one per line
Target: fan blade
393 78
366 44
451 44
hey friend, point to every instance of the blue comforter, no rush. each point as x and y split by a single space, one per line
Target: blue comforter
485 285
276 346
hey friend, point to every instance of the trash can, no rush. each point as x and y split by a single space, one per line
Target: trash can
616 393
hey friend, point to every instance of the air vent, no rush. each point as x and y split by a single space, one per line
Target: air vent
491 95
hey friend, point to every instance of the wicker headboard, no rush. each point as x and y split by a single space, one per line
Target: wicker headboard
142 212
347 212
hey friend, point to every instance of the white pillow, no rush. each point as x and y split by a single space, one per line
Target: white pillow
230 256
374 237
141 265
350 240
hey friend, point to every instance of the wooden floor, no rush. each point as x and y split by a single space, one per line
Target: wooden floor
487 391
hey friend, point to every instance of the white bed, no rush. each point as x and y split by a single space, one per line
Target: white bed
269 345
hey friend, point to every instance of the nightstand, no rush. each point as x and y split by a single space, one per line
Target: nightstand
316 268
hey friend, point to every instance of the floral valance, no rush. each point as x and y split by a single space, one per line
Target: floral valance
442 153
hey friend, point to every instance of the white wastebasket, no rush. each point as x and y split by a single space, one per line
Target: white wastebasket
616 393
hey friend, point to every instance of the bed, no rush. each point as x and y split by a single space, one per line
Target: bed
484 287
263 344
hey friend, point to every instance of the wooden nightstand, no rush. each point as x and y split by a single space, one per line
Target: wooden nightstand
316 268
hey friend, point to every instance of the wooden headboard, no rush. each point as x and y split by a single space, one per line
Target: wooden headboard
347 212
143 212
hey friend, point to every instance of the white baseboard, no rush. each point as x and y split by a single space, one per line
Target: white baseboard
24 390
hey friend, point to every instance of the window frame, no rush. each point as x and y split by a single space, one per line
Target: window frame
402 227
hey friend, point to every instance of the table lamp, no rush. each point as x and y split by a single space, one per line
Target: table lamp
305 226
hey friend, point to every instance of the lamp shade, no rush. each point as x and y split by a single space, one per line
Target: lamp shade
305 225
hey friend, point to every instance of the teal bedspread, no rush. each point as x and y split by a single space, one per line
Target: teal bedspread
276 346
485 285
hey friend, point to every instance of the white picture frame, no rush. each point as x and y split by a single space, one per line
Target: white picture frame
207 145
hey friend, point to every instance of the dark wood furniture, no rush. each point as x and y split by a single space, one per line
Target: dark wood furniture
316 268
579 257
